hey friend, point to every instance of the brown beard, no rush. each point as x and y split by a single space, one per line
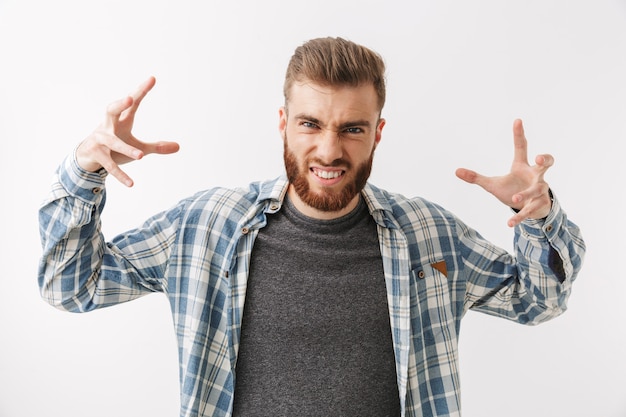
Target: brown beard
326 200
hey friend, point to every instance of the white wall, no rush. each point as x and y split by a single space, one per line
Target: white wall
459 73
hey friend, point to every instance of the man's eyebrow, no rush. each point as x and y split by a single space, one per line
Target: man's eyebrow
345 125
355 123
307 117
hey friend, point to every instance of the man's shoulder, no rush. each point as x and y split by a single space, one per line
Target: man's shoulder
399 203
237 198
418 218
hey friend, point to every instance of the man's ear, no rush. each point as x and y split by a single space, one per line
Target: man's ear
282 121
379 131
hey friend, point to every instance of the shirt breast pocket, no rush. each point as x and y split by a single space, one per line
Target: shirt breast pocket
431 303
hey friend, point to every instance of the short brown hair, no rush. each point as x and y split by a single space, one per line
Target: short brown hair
336 61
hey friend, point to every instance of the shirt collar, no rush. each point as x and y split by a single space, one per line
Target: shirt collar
377 200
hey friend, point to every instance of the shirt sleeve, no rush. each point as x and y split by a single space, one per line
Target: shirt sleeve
534 284
78 270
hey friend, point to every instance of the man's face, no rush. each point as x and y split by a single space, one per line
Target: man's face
329 134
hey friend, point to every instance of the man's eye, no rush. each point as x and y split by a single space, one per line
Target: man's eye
310 125
354 130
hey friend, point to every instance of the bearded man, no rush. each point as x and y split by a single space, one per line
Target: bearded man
316 293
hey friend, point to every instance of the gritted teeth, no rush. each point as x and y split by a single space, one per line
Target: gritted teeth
327 174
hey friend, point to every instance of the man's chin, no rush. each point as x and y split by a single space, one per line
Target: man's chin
326 200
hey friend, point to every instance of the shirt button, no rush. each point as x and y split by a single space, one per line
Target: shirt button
245 230
549 228
96 190
421 274
274 206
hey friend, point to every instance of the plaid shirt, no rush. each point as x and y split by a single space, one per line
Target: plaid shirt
197 253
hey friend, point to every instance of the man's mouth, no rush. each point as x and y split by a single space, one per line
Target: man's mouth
327 174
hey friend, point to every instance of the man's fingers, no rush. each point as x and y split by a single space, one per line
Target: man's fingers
544 161
128 111
161 148
102 151
105 143
115 110
519 142
113 152
467 175
114 169
536 191
515 220
535 208
113 143
143 89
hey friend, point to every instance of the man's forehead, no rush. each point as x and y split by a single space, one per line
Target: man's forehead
320 101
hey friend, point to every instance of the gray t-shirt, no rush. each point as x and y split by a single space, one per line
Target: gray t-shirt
315 337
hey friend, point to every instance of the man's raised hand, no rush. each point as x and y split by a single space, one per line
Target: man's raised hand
113 144
524 188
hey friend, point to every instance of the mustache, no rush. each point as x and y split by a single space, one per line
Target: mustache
339 162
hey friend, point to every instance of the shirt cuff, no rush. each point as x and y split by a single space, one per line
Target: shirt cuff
85 185
546 227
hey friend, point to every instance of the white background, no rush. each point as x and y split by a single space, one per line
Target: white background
459 73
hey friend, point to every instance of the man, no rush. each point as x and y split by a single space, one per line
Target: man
316 293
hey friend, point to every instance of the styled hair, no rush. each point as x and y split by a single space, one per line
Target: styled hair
336 62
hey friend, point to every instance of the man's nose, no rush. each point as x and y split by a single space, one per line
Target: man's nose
329 147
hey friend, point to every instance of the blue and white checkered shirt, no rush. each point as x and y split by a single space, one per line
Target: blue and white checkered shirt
197 253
